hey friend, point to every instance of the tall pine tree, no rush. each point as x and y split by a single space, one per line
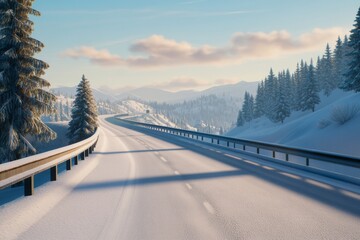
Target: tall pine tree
282 106
338 62
310 96
259 101
328 81
84 113
23 98
352 81
248 107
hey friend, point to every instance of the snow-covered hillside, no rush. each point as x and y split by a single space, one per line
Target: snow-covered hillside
210 114
320 130
142 112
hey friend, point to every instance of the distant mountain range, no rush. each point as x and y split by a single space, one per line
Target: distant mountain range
235 91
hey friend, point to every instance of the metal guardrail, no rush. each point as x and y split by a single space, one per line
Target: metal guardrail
274 151
26 168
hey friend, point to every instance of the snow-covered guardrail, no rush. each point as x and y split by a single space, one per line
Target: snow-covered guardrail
26 168
342 167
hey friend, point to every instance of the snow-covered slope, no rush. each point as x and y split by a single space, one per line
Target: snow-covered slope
141 112
313 130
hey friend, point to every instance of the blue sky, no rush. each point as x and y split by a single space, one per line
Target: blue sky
184 44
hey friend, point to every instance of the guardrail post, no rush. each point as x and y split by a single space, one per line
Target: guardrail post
90 150
218 141
82 156
202 138
86 152
273 154
228 144
258 150
53 173
68 164
212 140
234 145
244 147
76 160
287 157
307 162
29 186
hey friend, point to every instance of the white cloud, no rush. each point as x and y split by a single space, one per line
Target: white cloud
158 51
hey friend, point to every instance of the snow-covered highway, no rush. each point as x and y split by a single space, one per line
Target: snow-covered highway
143 185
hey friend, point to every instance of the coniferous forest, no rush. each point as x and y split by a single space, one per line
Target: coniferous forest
280 94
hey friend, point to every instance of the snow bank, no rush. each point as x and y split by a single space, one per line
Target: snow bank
141 112
311 130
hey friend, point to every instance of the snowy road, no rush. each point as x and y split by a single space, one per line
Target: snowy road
138 186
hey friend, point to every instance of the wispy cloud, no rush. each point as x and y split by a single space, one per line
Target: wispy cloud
158 51
99 57
152 13
96 12
192 2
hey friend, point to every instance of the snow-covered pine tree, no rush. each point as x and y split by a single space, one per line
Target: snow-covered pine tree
353 74
296 80
345 63
248 107
310 90
328 81
68 108
23 98
84 113
304 70
319 72
282 106
270 94
240 119
259 104
338 62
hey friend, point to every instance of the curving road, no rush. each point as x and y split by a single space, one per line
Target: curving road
144 185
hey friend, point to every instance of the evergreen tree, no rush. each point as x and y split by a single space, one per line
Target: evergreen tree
240 119
248 107
338 62
310 91
23 99
319 72
259 104
68 108
84 113
270 94
345 63
328 81
304 71
282 107
296 89
353 74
